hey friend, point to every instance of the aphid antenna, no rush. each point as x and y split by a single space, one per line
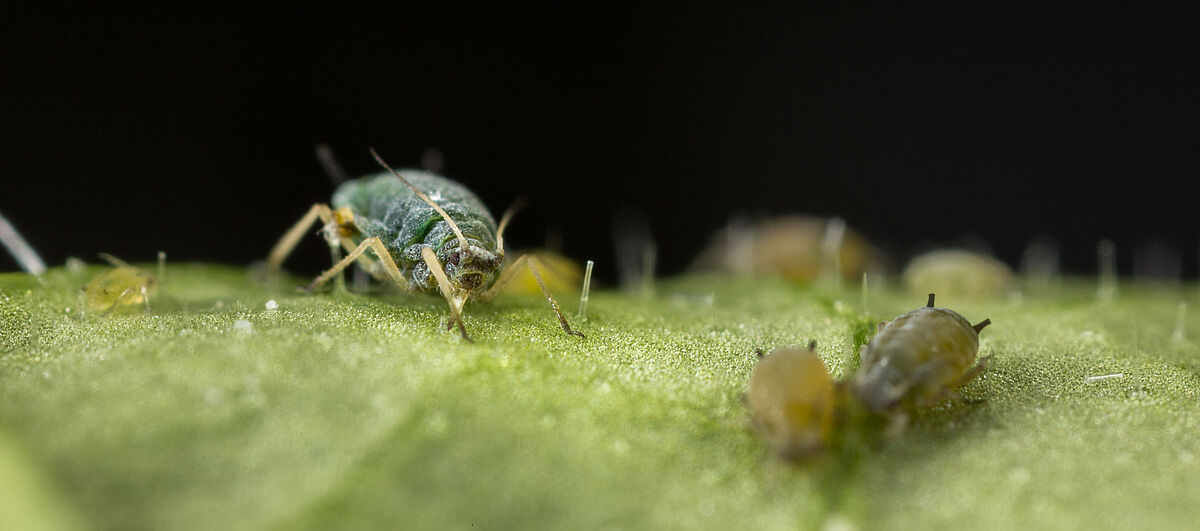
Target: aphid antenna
512 210
1180 317
462 240
20 249
587 286
330 164
112 260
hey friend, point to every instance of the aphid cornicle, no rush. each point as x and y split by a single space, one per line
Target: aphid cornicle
918 359
792 401
427 233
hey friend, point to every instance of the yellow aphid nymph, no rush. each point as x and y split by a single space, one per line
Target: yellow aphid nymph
791 398
918 359
120 287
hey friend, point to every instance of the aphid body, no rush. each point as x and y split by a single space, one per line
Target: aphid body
428 233
799 248
918 359
382 206
120 287
958 272
792 399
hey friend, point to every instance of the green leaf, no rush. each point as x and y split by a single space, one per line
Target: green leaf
354 410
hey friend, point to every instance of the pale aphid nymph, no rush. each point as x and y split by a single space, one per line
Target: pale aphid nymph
792 401
918 359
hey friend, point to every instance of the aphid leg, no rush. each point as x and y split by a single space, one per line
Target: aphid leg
380 251
145 300
456 303
971 373
958 397
335 256
294 234
562 319
510 272
117 302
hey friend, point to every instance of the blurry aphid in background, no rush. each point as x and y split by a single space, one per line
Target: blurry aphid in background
957 273
561 274
793 402
1106 258
799 248
916 360
637 254
1157 260
119 288
20 249
1040 263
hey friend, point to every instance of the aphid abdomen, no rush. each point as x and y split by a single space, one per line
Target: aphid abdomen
916 360
792 397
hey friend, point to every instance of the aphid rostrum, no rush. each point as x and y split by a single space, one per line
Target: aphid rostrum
427 233
122 286
792 400
918 359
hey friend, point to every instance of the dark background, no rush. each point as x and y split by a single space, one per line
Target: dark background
193 132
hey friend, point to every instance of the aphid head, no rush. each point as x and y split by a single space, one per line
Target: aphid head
880 387
472 268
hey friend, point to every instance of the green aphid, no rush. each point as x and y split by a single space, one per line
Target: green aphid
918 359
118 288
793 402
428 233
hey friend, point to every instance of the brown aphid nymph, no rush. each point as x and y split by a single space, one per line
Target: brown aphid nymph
918 359
792 397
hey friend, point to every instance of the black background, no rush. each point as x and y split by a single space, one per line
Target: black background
193 132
